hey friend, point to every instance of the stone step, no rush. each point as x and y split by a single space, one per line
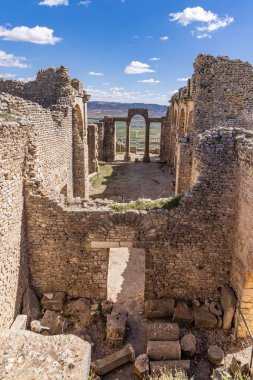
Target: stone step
156 367
164 350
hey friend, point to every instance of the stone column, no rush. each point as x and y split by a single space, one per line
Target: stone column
127 154
146 157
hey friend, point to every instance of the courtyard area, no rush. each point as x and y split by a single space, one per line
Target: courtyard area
129 181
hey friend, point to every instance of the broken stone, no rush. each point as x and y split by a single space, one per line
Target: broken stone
116 325
81 309
157 367
55 322
195 302
228 302
215 355
188 345
20 323
163 331
204 319
37 328
183 314
159 308
164 350
53 301
141 366
31 306
102 366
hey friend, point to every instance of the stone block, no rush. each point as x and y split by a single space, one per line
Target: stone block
141 367
163 331
228 302
183 315
55 322
204 319
109 363
188 345
116 326
215 355
80 308
31 306
20 323
159 308
25 355
53 301
163 350
169 365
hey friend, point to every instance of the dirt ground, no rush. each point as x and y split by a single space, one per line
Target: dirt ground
131 181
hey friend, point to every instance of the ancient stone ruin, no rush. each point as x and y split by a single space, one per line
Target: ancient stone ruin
57 244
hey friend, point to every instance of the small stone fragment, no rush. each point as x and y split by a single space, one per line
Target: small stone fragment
204 319
188 345
215 355
159 308
53 301
141 366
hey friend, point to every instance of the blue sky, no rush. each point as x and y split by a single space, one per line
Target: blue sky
111 45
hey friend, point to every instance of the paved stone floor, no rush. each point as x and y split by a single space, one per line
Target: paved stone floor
131 181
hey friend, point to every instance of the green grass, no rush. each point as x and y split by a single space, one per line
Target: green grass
98 179
178 375
142 204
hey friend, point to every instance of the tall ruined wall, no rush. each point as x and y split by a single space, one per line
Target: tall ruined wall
53 136
223 93
14 141
242 271
51 86
69 245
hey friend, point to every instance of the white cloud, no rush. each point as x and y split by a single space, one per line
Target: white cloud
164 38
136 67
183 79
155 59
54 3
95 74
117 89
210 21
149 81
37 35
85 3
10 60
190 15
8 76
219 23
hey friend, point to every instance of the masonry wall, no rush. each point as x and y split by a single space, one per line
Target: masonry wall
242 271
14 142
53 140
188 248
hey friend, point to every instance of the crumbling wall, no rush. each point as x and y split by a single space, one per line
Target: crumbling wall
242 271
223 93
93 148
14 142
51 86
53 136
69 245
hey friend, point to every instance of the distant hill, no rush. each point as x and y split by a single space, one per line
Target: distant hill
100 109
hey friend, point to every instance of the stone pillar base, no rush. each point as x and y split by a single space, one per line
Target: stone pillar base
127 157
146 159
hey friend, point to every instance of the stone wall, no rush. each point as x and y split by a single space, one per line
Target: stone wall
242 271
53 139
93 148
14 142
69 245
51 86
109 139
